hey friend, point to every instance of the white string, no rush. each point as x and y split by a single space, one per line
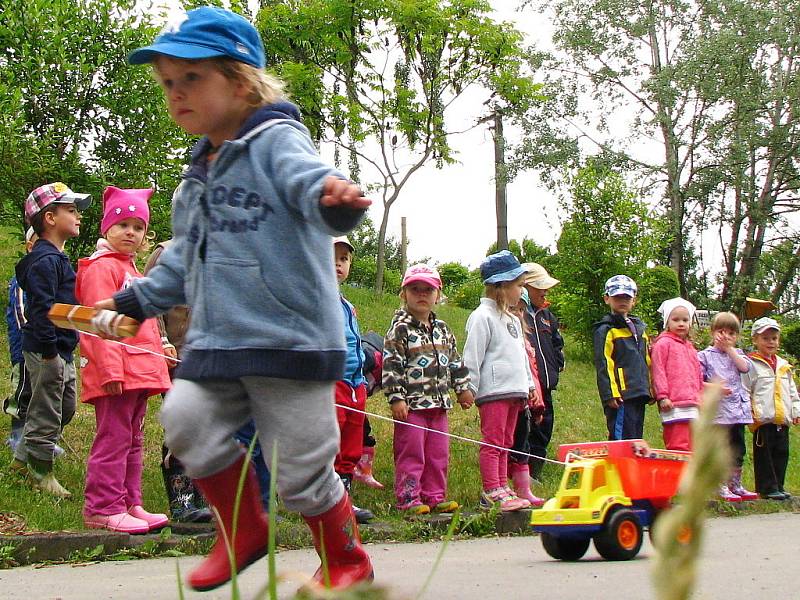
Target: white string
369 414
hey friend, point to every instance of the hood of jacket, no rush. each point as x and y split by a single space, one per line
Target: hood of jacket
41 249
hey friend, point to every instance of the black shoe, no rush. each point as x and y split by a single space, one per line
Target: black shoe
776 495
786 495
362 515
190 514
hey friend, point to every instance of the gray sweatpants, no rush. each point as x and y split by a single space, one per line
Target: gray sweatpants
51 407
200 418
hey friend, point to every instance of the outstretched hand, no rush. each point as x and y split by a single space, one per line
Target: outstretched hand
339 192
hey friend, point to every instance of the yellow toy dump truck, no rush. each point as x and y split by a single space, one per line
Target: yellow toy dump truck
609 493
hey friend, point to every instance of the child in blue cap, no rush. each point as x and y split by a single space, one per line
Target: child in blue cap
252 223
500 374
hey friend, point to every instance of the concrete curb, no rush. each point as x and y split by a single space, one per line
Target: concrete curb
60 546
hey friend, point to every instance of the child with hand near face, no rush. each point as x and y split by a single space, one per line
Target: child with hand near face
420 365
723 362
776 406
677 377
117 380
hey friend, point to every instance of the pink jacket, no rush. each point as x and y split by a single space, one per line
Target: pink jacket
675 369
100 277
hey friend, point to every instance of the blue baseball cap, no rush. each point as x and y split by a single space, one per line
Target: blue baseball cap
205 32
501 266
619 285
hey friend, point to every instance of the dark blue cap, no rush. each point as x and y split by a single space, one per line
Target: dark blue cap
501 266
205 32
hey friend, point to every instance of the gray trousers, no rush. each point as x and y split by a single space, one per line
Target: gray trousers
200 418
51 407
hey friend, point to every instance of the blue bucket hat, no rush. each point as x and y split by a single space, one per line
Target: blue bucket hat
501 266
205 32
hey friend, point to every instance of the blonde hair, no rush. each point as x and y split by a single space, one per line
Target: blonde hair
147 243
725 320
264 88
497 292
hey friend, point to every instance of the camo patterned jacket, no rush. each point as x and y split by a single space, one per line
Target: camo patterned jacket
421 362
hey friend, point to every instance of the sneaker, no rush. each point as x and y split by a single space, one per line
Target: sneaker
416 509
776 495
499 497
50 485
446 506
153 520
363 515
122 522
524 502
726 495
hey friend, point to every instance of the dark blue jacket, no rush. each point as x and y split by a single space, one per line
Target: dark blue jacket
546 340
47 277
621 359
15 319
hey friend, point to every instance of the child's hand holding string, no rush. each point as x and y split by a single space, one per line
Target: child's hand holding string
339 192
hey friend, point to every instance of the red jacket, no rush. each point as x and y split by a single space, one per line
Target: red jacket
676 371
102 361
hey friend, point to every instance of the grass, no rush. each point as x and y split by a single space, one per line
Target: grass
578 417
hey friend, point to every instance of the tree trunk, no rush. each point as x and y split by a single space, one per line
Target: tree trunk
381 259
501 205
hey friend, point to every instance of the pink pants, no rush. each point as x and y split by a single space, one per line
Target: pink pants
114 466
678 435
420 458
498 420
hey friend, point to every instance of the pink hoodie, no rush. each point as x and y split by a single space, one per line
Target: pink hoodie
676 371
101 276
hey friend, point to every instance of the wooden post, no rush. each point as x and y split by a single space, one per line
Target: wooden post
501 205
403 246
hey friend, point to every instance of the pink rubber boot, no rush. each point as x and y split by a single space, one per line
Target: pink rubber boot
521 477
363 472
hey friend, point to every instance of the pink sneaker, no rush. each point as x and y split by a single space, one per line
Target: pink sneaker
153 520
500 497
122 522
727 495
524 502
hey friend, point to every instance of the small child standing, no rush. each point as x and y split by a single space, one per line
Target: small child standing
622 360
420 364
531 416
500 375
251 256
117 380
351 390
16 405
724 362
677 377
47 277
776 406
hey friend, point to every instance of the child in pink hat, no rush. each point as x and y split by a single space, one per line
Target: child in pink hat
118 379
420 365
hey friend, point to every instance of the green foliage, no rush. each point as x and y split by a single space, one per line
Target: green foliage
527 251
655 285
468 294
453 275
7 560
790 339
72 110
609 232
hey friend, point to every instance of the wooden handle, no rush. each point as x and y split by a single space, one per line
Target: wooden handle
75 316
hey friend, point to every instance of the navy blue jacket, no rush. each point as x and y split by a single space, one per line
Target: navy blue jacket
47 277
621 359
547 342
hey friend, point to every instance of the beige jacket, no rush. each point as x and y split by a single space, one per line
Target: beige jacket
773 394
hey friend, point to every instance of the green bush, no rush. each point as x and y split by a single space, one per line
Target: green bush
655 285
468 295
790 339
453 275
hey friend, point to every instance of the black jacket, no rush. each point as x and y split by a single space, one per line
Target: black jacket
622 360
47 277
548 344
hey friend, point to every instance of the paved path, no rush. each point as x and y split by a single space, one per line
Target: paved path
746 558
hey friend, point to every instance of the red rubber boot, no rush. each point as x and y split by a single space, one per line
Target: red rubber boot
250 542
348 562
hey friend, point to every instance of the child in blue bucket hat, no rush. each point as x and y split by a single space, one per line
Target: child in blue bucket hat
252 222
500 374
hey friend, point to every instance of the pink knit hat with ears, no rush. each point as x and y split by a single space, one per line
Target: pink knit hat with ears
119 205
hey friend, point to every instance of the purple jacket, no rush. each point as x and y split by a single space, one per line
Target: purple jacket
676 370
734 409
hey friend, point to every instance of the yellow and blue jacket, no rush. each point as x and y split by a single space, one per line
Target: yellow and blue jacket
621 359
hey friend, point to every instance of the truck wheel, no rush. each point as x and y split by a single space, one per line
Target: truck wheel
564 548
621 538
